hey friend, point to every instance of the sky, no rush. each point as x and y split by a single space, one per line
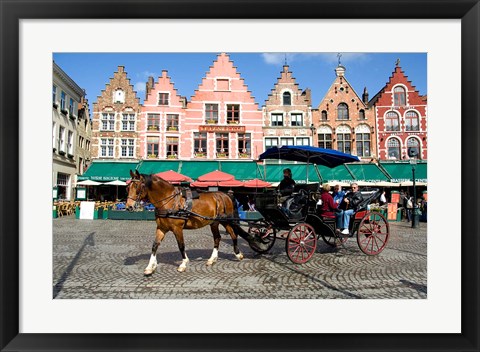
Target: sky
92 71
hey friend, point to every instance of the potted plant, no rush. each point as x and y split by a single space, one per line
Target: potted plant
233 122
200 155
221 155
152 156
211 122
172 156
172 128
244 155
64 111
153 128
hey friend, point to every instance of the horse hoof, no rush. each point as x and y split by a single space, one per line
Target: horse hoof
181 269
239 256
210 262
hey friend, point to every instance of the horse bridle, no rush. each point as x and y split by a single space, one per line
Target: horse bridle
143 188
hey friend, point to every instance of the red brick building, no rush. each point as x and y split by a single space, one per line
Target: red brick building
401 117
344 121
114 120
287 114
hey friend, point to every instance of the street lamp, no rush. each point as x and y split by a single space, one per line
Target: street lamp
412 153
313 129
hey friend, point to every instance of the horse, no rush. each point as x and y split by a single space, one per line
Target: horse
175 212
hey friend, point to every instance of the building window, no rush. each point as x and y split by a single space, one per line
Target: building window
128 147
296 120
153 122
393 148
287 141
411 121
342 111
61 139
62 100
287 98
223 84
344 142
62 179
391 122
108 121
413 145
172 122
302 141
244 144
325 140
70 143
172 147
324 115
128 122
277 120
106 147
119 96
363 144
361 114
70 107
200 143
54 129
54 94
163 98
399 98
222 145
211 113
271 142
233 113
152 147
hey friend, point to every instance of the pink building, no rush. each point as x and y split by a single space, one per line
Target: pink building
223 120
162 122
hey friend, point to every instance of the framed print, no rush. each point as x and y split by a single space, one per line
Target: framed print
31 31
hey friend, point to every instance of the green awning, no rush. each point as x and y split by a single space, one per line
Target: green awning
339 173
402 171
242 170
104 171
274 172
155 166
367 172
193 169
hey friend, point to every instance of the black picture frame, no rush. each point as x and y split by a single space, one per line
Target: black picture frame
13 11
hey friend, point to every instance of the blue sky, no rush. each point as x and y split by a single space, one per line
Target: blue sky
92 71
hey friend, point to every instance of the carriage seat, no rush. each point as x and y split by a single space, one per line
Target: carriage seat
295 206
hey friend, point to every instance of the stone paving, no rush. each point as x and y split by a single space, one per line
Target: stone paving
105 259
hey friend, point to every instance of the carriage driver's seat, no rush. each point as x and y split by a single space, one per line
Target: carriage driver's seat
295 205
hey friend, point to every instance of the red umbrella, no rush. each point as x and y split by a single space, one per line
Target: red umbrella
256 183
203 184
173 177
216 176
231 183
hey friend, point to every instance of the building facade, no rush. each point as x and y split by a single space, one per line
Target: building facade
401 118
344 121
114 121
83 155
66 96
162 121
287 113
223 120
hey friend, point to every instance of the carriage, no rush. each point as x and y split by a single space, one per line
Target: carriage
298 221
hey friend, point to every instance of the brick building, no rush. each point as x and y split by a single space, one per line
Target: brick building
344 121
114 122
401 117
223 120
66 124
162 121
287 113
83 155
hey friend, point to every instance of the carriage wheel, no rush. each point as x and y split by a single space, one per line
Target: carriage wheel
333 240
301 243
265 236
373 233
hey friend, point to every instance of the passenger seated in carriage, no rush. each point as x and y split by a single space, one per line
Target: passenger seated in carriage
328 207
349 206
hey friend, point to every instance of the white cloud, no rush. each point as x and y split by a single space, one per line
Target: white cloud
140 86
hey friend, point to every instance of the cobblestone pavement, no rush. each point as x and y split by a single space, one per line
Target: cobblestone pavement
106 258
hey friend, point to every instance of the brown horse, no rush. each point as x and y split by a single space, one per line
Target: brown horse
174 214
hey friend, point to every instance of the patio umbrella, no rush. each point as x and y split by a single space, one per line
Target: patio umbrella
173 177
231 183
256 183
203 184
89 183
216 176
116 183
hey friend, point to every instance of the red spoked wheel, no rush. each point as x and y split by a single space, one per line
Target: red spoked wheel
301 243
373 233
265 235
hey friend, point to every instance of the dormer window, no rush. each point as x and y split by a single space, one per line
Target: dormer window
287 98
119 96
163 98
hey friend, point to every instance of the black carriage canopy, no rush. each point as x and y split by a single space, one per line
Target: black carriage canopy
320 156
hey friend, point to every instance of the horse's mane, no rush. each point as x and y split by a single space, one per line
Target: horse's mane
149 179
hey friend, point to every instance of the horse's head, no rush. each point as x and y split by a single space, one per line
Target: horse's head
136 190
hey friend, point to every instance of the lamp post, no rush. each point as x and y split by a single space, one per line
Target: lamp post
413 162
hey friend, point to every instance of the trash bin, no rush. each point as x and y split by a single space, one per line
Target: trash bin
54 211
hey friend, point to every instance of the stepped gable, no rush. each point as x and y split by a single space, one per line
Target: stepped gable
286 79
